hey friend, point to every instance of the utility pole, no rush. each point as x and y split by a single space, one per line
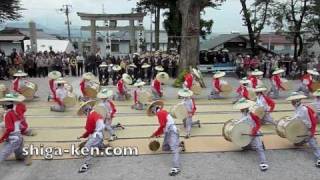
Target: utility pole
66 9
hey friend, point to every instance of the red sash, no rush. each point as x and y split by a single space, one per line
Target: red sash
257 121
270 102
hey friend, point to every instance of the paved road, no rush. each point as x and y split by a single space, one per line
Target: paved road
284 164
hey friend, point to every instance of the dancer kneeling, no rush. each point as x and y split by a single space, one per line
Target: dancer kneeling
60 94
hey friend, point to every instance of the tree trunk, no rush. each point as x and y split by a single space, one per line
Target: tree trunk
190 12
295 43
301 46
246 15
157 28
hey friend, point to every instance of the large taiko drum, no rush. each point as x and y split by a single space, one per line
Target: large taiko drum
315 86
28 89
237 132
70 100
226 88
92 90
285 84
258 111
179 111
292 129
252 94
3 90
144 97
196 88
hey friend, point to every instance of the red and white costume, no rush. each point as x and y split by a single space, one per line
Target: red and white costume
253 81
268 105
188 81
94 126
276 82
20 110
216 84
307 81
83 85
53 87
121 87
12 137
243 92
156 88
17 84
171 140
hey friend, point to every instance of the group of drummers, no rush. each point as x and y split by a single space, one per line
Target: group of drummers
254 101
145 67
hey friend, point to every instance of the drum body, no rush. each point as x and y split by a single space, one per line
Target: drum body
258 111
237 132
285 84
70 100
29 89
315 86
3 90
292 129
252 94
92 90
144 97
196 88
226 88
179 111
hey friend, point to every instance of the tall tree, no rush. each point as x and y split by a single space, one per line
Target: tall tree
154 6
313 24
255 17
10 10
291 16
190 13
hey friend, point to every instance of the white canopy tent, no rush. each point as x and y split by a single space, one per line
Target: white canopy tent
57 45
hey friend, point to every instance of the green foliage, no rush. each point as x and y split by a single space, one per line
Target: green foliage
10 10
172 22
180 79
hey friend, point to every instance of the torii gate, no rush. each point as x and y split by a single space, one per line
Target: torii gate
132 17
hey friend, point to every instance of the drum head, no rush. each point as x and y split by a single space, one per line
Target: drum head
294 129
237 134
179 111
154 145
226 126
145 97
70 100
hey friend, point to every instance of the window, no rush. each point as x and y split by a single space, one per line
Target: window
114 47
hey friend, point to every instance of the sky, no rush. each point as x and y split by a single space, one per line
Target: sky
46 13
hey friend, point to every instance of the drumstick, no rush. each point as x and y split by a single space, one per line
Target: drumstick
252 135
307 135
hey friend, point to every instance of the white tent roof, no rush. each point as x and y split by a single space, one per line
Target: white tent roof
57 45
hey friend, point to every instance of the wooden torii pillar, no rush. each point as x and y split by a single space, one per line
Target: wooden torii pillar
93 18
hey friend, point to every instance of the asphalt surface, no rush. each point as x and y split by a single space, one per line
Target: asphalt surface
295 164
